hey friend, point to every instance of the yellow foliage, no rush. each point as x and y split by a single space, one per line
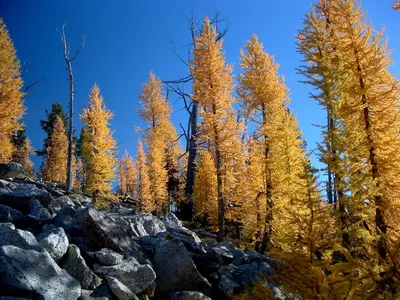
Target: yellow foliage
22 156
212 89
127 174
161 140
102 162
142 181
205 189
55 166
11 96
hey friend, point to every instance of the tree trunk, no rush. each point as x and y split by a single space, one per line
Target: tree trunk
268 192
190 172
70 125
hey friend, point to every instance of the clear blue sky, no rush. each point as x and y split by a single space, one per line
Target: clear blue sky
126 39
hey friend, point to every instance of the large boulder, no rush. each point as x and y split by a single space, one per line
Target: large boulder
191 241
170 220
131 273
38 212
102 292
233 280
107 257
11 170
106 233
139 225
8 214
76 266
60 202
188 295
224 252
120 290
176 271
21 196
19 238
33 274
55 241
64 218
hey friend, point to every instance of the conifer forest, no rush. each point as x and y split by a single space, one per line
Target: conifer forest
238 166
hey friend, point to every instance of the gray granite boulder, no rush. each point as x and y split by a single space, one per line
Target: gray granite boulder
188 295
76 266
55 241
33 274
131 273
11 170
176 271
120 290
107 257
8 214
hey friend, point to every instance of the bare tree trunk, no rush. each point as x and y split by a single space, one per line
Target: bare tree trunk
190 172
68 61
266 239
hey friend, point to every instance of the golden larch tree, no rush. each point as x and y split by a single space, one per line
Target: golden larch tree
55 166
161 139
205 190
11 97
127 174
102 163
142 185
212 89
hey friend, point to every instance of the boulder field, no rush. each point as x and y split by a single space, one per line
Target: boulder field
59 246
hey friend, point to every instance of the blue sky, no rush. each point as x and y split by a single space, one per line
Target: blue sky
126 39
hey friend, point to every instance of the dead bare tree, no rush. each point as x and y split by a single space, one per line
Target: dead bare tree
68 60
192 108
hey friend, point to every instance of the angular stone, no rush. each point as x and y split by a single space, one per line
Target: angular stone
8 214
105 232
19 238
11 170
188 295
107 257
170 220
55 241
76 266
176 271
28 273
20 198
139 225
7 225
120 290
38 212
60 202
135 276
225 253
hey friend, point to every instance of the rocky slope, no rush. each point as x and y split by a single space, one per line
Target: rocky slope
54 246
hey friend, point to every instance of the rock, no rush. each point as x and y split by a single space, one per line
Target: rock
188 295
60 202
8 214
170 220
11 170
208 263
120 290
106 233
28 273
7 225
139 225
107 257
225 253
4 184
20 198
149 244
64 218
55 241
19 238
102 292
76 266
233 280
191 241
176 271
38 212
135 276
